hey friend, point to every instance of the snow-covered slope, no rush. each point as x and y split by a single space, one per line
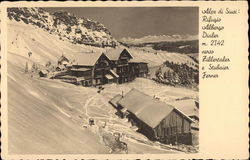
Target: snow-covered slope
48 116
65 26
24 38
37 117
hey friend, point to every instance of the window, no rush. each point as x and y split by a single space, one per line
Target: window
98 81
86 83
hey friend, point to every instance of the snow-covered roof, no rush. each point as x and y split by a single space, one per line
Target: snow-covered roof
115 99
87 59
65 62
113 72
188 106
69 65
68 77
137 60
63 58
109 77
148 109
80 69
114 54
43 71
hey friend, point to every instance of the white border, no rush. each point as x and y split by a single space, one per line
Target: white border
204 149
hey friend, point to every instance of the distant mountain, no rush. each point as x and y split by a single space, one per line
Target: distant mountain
176 43
66 26
158 38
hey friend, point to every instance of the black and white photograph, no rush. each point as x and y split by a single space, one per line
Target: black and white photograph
103 80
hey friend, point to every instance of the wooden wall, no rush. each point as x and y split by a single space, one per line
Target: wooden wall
174 129
143 127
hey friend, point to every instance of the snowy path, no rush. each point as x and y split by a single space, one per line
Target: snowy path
81 103
85 107
95 105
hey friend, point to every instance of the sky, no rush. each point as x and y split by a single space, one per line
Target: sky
137 22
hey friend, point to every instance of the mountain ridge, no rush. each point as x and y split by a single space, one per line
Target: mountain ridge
66 26
158 38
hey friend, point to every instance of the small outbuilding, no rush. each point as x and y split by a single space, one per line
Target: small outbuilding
154 118
60 68
43 73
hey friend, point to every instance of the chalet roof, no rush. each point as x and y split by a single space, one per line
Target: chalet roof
68 77
63 58
114 54
69 65
187 106
115 99
43 71
148 109
109 77
137 59
65 62
80 69
86 59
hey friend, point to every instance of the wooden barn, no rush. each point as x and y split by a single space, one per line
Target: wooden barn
119 63
93 69
155 119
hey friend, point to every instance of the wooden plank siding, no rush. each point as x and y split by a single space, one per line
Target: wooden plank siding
143 127
138 69
85 74
168 131
101 68
174 129
122 68
95 74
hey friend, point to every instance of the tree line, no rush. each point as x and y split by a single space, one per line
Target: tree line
177 74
